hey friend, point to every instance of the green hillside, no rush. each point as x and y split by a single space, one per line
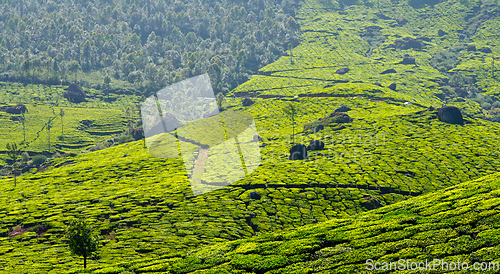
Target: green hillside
395 182
459 223
82 126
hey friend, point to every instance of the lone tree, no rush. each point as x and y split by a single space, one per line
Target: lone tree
219 100
61 113
291 111
13 153
49 126
83 241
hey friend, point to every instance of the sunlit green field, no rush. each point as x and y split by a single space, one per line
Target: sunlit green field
316 215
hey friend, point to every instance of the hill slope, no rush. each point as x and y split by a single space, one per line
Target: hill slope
143 206
460 223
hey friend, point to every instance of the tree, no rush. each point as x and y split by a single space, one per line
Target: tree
291 111
55 67
73 67
26 67
83 241
107 81
49 126
61 113
13 153
242 57
219 99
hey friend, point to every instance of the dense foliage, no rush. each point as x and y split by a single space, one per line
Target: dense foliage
150 43
82 240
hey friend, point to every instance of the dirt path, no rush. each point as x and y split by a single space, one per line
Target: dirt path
199 164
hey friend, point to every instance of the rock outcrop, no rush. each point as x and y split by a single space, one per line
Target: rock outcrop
257 138
137 133
75 93
342 71
451 115
298 152
342 109
17 109
387 71
247 102
255 195
408 61
316 145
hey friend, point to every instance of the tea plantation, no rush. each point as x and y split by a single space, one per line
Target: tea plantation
392 182
459 223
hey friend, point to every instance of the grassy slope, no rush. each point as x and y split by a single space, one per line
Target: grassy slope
143 206
457 223
44 103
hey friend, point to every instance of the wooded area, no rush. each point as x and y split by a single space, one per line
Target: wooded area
149 43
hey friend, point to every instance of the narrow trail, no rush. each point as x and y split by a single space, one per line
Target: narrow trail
199 164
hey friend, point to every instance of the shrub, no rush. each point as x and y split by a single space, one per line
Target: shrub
486 105
493 114
25 157
483 99
4 172
39 159
125 139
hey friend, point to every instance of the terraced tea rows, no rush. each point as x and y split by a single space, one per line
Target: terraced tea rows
141 203
333 40
82 125
143 206
457 224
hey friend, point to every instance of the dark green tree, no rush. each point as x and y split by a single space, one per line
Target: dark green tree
220 100
83 241
291 111
26 67
107 81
